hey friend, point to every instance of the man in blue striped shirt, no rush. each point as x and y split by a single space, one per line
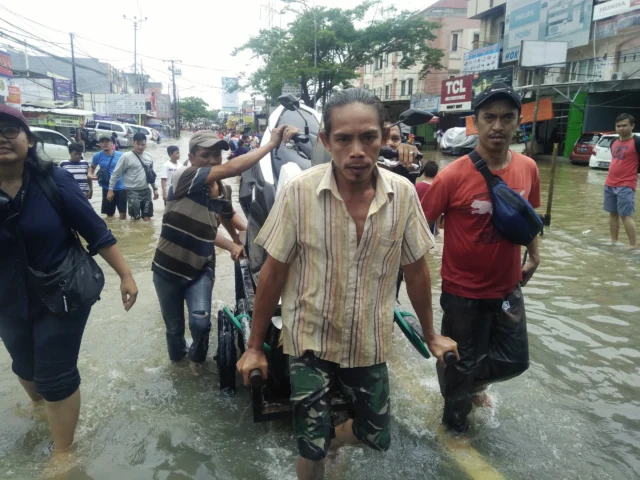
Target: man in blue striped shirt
77 167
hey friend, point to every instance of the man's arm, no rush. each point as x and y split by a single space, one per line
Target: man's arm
233 248
228 226
418 280
273 277
117 172
245 162
532 262
163 182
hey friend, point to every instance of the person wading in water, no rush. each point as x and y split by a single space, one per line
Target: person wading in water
335 239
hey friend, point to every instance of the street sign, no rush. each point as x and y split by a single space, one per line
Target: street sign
131 104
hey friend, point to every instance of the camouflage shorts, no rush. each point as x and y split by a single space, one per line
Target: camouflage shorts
140 203
366 388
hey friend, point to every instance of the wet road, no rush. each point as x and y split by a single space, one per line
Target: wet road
574 415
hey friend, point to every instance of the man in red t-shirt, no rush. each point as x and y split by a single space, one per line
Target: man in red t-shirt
481 271
622 180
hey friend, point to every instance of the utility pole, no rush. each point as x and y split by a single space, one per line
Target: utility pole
73 73
135 22
176 110
26 57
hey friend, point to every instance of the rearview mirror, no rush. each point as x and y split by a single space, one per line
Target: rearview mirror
414 117
289 101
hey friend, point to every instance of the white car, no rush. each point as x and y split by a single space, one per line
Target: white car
53 146
124 133
601 157
141 129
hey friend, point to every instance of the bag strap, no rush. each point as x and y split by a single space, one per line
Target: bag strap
636 140
110 161
144 165
491 179
48 186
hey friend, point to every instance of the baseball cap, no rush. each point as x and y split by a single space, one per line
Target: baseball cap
498 90
16 115
206 139
105 136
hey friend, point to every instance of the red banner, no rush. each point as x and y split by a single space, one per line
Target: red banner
5 65
14 95
456 94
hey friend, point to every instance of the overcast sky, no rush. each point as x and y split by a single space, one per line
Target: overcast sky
201 34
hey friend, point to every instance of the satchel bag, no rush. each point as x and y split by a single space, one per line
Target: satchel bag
103 173
513 216
77 282
148 171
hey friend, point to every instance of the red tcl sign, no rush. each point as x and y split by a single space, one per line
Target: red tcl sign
456 94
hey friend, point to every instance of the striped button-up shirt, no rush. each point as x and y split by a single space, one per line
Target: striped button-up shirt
339 296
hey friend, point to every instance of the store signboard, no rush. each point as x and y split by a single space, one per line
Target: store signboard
610 8
483 80
13 98
230 99
428 102
549 20
6 70
131 104
62 89
481 59
456 94
51 120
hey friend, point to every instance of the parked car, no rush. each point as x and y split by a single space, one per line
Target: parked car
141 129
601 157
585 147
53 145
124 132
455 142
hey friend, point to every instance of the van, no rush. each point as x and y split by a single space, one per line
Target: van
125 133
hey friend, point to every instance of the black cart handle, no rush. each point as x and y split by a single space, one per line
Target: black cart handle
256 379
450 358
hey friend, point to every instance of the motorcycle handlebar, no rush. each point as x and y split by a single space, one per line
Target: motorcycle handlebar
391 154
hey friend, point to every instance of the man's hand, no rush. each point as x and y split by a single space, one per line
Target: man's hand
89 195
129 291
110 195
440 345
91 176
407 155
237 252
164 196
156 195
282 134
252 359
529 269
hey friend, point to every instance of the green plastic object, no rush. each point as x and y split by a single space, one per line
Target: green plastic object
410 333
236 322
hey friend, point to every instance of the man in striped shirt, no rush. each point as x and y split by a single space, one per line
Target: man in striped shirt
335 239
79 169
184 262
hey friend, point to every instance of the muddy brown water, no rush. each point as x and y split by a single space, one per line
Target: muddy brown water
575 414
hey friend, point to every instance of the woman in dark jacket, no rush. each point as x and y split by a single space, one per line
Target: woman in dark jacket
44 346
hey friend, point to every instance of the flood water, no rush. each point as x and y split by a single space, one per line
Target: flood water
575 414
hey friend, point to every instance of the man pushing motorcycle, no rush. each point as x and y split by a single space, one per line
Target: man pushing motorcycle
336 237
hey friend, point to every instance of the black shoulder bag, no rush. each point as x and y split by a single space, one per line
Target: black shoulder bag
148 171
103 174
78 281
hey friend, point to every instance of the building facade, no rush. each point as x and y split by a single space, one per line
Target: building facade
457 34
601 76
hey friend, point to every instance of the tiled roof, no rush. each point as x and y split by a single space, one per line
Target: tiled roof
449 4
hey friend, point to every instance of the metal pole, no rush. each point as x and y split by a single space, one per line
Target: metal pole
135 54
176 118
73 73
534 146
26 57
547 217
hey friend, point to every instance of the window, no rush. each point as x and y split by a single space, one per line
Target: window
410 92
52 138
379 61
403 88
386 92
501 30
105 126
387 60
476 40
454 42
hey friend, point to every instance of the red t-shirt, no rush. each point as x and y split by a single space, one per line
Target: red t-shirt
423 188
623 171
477 261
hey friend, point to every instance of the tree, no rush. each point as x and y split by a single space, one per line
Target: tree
193 108
214 115
342 47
